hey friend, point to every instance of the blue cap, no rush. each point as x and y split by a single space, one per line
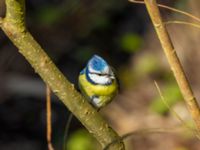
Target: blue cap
97 63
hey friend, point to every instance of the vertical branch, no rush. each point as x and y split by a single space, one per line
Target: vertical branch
48 117
15 13
173 60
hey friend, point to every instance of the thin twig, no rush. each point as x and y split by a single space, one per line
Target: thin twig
174 112
144 132
49 126
183 23
166 104
170 8
66 134
174 61
1 21
140 132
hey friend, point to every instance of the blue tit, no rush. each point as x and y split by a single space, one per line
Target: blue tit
97 82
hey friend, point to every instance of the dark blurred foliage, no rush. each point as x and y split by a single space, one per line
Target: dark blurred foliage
70 31
81 25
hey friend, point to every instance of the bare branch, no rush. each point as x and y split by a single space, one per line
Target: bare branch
173 60
14 27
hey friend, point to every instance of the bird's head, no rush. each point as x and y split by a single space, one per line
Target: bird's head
99 72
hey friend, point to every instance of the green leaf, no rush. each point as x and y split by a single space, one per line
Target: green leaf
131 42
49 15
81 140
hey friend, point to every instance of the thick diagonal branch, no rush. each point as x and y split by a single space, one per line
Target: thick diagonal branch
14 27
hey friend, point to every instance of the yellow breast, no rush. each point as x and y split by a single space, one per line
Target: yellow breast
101 90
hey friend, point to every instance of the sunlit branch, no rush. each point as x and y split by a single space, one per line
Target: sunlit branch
14 27
170 8
174 61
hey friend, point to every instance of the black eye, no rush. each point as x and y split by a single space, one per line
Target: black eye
99 74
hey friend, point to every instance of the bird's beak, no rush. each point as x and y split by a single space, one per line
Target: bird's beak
112 77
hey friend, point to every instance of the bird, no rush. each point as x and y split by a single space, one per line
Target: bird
97 82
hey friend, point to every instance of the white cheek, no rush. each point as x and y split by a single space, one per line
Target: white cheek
99 79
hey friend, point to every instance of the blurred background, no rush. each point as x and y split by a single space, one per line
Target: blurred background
71 31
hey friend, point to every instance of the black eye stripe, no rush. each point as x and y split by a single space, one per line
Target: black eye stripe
99 74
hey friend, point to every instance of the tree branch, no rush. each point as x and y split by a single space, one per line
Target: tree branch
173 60
14 27
1 21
